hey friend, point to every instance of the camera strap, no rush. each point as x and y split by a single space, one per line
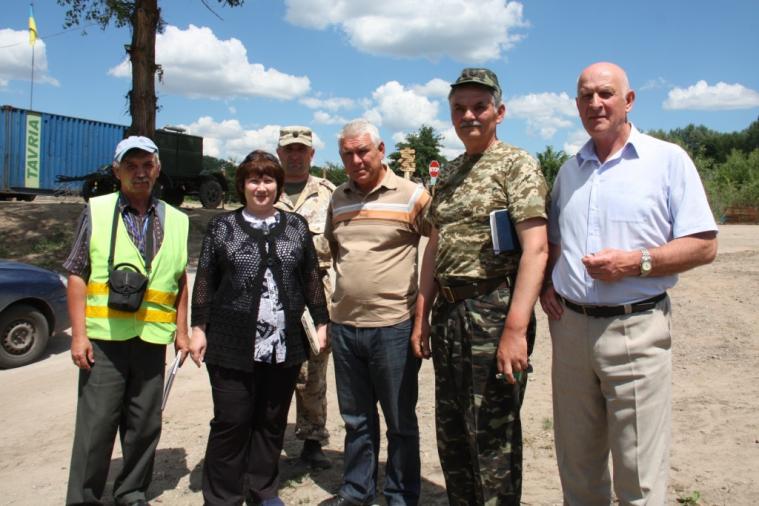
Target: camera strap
148 257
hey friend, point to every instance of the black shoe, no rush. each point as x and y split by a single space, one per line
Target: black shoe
313 455
338 500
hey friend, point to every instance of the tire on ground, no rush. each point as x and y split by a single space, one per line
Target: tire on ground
211 193
24 333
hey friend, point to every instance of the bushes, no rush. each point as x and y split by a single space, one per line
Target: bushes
732 183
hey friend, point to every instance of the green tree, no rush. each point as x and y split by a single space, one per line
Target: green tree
332 172
426 142
734 182
551 161
699 140
144 19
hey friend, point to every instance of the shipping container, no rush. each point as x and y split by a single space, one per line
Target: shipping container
37 147
49 154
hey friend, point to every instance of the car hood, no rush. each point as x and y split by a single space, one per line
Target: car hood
10 265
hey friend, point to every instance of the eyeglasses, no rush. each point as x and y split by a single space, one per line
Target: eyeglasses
258 154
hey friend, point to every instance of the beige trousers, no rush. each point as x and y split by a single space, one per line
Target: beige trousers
612 393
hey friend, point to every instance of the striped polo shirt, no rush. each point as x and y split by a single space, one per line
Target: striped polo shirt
374 238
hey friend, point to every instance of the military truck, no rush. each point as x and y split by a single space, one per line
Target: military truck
49 154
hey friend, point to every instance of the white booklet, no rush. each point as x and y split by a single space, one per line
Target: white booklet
310 330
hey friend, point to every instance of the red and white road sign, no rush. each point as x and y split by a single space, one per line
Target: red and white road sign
434 168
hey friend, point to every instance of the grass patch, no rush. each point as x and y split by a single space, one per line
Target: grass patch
690 499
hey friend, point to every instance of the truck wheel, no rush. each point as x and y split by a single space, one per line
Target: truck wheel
211 193
172 196
24 334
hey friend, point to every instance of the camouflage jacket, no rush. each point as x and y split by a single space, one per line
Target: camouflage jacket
469 188
312 204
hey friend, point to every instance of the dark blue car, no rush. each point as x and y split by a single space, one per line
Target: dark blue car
32 308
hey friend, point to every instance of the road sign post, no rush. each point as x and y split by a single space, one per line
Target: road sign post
408 162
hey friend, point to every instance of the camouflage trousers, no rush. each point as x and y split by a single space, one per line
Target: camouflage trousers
311 399
479 430
311 392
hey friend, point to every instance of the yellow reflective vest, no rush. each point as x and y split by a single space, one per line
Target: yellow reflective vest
155 321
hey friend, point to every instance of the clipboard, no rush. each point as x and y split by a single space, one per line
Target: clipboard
170 379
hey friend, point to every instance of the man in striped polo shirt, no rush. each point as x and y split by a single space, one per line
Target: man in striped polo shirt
374 225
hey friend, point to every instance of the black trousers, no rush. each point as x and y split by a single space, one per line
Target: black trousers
122 392
247 432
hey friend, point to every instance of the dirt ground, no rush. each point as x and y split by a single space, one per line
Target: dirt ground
715 450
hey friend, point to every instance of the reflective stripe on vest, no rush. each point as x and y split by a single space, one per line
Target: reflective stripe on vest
142 314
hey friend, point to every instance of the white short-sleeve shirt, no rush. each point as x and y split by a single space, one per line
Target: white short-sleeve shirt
643 196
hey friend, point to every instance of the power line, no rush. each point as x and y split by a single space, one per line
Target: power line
52 35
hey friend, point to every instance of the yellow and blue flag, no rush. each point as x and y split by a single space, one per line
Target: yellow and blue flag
32 27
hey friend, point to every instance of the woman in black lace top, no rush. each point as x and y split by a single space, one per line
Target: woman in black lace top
257 271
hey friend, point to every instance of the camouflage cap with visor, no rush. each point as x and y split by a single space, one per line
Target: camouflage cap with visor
295 134
481 76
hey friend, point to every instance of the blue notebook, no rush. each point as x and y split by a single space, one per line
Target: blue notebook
503 232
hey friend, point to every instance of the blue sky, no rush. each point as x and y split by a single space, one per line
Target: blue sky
319 63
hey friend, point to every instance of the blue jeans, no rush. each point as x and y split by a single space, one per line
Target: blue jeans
376 364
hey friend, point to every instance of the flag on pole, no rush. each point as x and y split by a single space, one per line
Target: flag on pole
32 27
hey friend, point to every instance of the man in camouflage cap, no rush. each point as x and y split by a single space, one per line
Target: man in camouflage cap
483 324
308 196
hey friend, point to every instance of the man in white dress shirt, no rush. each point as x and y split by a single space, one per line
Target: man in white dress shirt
628 214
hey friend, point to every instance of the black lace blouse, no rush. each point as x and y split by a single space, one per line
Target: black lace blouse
228 284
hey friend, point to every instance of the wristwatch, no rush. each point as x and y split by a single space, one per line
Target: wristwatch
645 263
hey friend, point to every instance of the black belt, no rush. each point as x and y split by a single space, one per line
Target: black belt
459 290
609 311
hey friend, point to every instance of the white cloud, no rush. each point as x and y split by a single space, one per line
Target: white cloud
575 141
434 88
465 30
373 116
228 139
401 108
653 84
544 113
722 96
330 104
326 118
215 68
399 137
16 58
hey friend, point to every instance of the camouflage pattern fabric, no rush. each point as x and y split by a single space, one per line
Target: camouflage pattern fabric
469 188
311 387
481 76
311 399
479 430
312 204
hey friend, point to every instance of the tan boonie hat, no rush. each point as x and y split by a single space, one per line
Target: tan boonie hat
482 76
293 134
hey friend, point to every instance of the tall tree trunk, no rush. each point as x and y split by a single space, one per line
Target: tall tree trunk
142 98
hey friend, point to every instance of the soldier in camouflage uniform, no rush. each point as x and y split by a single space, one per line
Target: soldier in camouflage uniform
308 196
483 324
